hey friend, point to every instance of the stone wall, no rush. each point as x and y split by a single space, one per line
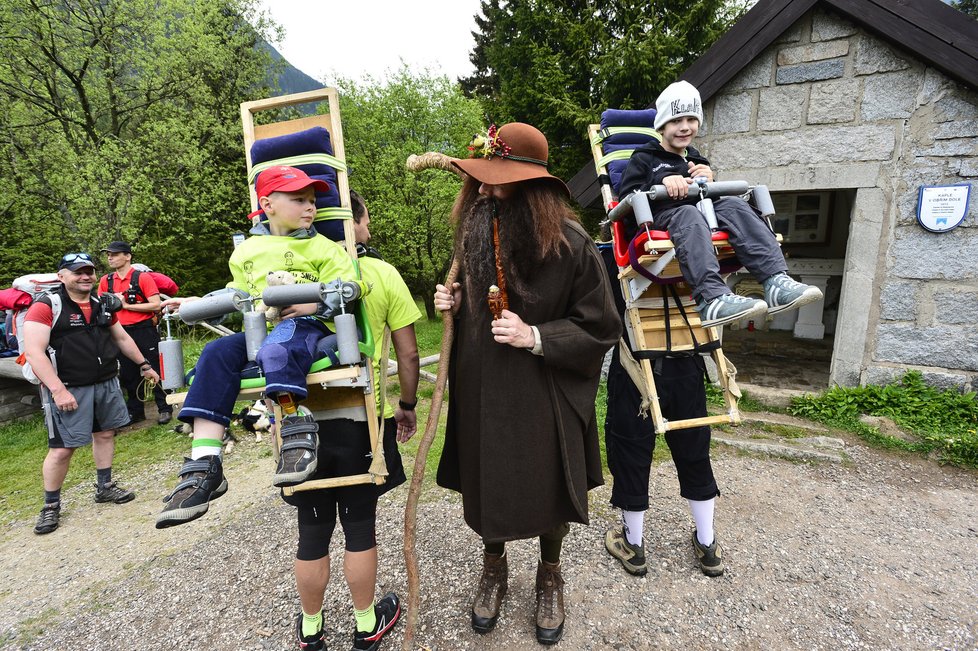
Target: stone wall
830 106
18 399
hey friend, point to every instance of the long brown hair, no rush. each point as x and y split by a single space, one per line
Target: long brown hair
546 203
530 231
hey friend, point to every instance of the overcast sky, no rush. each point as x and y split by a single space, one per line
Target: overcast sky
351 38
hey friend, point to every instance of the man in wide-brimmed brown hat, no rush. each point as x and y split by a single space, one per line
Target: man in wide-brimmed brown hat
521 444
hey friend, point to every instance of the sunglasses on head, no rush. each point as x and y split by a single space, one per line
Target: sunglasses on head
71 258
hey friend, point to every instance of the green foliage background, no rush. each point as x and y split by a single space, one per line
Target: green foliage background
119 120
946 422
384 122
558 63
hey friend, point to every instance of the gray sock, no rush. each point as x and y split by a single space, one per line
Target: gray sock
104 476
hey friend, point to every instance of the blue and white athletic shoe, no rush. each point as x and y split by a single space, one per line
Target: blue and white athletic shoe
728 308
781 293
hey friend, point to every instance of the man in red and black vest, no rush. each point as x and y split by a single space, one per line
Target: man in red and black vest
140 302
72 342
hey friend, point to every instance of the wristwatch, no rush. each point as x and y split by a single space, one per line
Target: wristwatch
407 406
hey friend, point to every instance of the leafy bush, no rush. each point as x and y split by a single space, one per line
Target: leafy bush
946 422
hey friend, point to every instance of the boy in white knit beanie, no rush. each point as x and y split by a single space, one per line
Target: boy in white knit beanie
674 163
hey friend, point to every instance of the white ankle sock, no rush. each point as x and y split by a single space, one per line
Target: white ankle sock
634 522
703 517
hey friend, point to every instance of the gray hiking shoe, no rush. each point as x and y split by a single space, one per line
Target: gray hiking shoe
201 481
49 519
710 558
297 459
781 293
728 308
632 557
112 492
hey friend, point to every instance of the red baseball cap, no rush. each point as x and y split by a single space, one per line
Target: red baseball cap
282 178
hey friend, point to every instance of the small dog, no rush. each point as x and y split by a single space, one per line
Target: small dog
255 419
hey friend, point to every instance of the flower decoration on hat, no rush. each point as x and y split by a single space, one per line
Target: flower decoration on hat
489 144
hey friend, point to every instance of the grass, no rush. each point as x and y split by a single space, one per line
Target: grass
945 423
23 446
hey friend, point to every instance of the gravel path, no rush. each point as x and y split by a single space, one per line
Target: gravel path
878 552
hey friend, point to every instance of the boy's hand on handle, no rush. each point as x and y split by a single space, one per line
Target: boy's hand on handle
445 300
510 329
677 187
699 170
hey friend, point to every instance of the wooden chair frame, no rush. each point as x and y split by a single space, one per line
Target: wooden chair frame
342 392
646 320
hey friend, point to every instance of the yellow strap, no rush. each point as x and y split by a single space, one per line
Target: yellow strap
323 214
621 154
602 134
304 159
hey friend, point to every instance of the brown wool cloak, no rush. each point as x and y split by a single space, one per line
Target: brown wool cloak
521 443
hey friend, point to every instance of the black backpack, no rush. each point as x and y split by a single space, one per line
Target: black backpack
134 291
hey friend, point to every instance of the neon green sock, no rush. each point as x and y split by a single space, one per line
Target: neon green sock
311 624
366 619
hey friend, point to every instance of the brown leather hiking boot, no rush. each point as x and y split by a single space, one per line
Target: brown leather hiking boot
489 595
550 603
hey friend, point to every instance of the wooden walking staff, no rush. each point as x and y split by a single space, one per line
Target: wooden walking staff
415 163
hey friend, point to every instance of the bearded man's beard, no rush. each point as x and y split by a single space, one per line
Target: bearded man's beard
518 249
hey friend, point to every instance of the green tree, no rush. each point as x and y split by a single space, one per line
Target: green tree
558 63
119 120
384 123
969 7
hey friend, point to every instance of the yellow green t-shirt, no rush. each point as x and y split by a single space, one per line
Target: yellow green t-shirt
310 259
389 303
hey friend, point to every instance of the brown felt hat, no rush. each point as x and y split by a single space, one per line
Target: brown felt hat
513 153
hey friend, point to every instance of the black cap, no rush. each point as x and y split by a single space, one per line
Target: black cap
76 261
118 247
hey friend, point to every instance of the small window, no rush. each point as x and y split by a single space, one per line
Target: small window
801 218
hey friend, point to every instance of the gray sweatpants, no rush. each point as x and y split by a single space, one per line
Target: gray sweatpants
755 244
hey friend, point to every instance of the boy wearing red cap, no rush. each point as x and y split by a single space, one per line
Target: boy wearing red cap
286 242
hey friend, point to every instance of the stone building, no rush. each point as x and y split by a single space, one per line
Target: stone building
845 109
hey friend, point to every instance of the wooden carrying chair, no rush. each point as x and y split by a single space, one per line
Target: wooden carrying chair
660 315
334 391
342 392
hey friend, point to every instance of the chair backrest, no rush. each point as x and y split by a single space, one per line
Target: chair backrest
614 140
301 137
311 151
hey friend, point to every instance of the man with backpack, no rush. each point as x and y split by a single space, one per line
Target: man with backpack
72 341
140 298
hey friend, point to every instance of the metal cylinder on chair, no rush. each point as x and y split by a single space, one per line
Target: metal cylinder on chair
763 202
211 306
282 295
172 374
642 209
705 206
347 339
255 329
